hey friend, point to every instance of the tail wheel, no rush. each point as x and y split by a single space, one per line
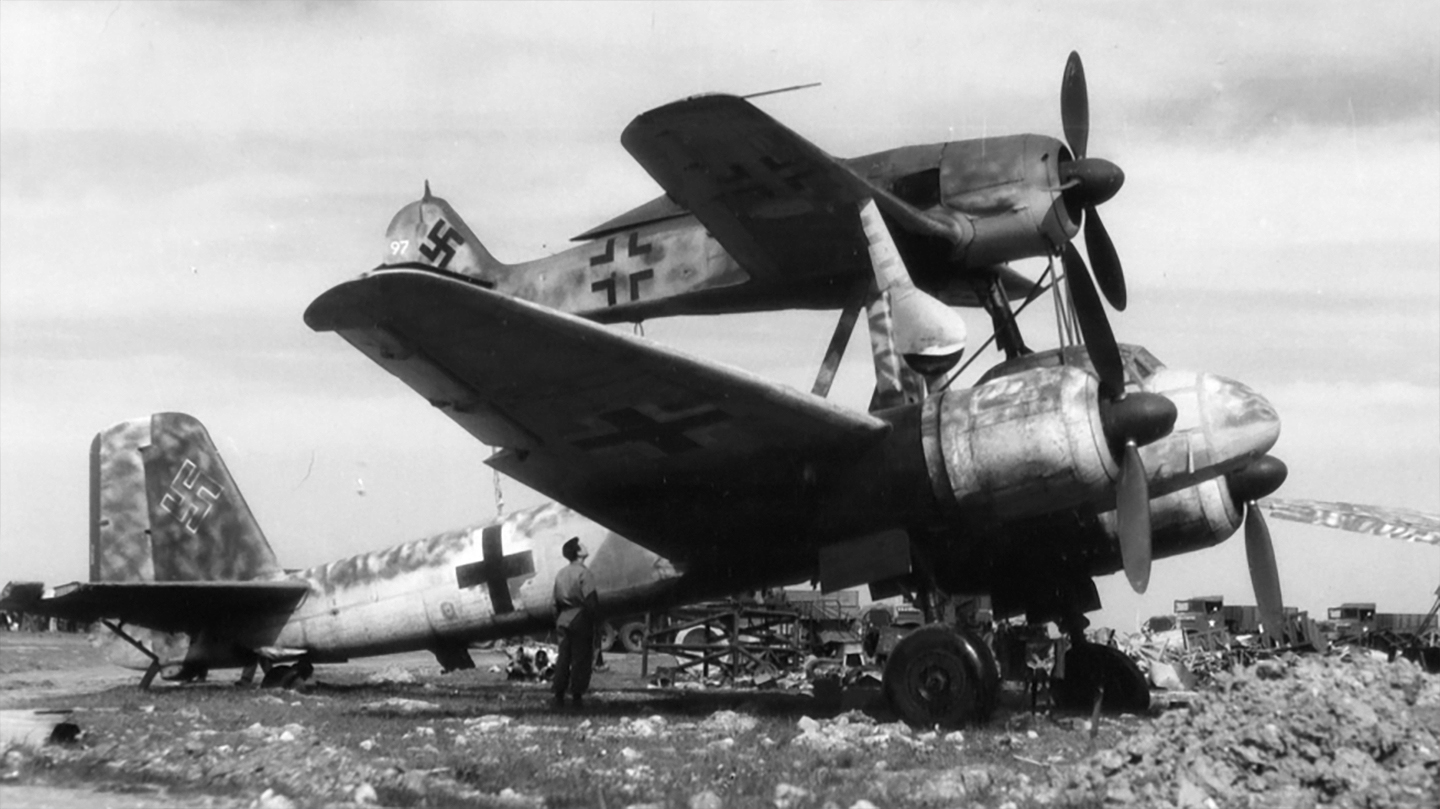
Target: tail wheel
1088 667
939 676
632 636
275 677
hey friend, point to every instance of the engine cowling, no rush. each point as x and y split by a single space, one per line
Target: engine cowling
1020 445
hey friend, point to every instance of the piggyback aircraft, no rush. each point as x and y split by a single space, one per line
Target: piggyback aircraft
175 550
1056 467
757 218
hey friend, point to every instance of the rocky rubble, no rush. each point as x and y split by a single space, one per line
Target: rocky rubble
1288 732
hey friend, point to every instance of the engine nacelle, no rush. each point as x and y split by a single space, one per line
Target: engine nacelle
1021 445
1187 520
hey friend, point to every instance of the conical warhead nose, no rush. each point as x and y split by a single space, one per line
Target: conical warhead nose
1098 179
1241 422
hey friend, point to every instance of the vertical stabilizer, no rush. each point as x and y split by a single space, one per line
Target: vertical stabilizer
430 233
164 507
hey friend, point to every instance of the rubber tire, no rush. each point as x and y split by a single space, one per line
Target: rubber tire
632 636
937 676
1127 689
275 677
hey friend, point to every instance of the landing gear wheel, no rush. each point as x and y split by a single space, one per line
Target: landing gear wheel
938 676
275 677
1088 666
632 636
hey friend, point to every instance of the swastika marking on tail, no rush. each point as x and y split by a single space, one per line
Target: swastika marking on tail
438 243
191 496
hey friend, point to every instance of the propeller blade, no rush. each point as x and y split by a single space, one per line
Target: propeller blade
1264 574
1104 259
1075 105
1094 326
1132 517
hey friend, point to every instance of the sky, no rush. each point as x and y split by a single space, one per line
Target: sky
179 180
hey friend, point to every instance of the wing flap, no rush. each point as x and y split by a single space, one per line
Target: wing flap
166 606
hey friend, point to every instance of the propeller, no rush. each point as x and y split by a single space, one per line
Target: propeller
1130 421
1088 182
1247 485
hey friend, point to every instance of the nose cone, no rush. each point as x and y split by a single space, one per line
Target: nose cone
1240 422
1098 178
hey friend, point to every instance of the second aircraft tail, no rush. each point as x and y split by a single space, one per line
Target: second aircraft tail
163 507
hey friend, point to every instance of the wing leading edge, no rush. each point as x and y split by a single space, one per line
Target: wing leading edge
669 450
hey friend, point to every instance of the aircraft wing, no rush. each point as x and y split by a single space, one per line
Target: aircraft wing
669 450
169 606
776 202
1408 524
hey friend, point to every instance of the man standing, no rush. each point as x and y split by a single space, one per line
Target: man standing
575 605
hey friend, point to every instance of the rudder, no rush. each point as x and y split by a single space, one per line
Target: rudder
164 507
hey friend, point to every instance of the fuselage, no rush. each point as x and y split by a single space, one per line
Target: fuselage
444 592
999 198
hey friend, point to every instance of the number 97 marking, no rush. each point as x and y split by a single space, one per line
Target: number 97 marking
398 247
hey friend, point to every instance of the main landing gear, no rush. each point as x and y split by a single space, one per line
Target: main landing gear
1094 672
1098 674
938 675
286 677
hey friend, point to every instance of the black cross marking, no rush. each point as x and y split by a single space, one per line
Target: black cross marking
438 241
606 284
605 257
781 170
500 573
632 426
636 248
636 278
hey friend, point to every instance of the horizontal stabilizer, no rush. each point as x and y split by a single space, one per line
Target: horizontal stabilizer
165 606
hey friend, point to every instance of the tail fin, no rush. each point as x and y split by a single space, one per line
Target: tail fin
163 507
429 233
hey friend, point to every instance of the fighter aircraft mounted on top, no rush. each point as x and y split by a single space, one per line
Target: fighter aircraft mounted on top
757 218
1057 467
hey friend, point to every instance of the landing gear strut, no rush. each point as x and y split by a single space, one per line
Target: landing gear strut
942 676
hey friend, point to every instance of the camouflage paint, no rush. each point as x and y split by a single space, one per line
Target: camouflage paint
999 197
616 277
119 510
162 477
200 527
409 597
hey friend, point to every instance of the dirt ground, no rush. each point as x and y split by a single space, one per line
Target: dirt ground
1341 730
